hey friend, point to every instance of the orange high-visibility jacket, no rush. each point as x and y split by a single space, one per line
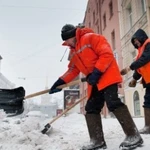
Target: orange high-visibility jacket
92 50
144 70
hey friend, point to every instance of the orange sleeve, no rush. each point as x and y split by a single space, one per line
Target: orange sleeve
71 73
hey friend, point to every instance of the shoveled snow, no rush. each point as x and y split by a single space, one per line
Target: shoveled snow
67 133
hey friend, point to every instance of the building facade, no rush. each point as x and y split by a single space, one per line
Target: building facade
133 14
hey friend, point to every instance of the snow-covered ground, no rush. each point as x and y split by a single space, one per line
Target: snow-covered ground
68 133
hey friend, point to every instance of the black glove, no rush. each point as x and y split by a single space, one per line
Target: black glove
57 83
93 77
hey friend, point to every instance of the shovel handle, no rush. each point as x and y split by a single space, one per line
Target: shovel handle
61 87
48 125
66 110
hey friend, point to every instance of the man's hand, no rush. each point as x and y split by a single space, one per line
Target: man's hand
125 71
132 83
93 77
54 88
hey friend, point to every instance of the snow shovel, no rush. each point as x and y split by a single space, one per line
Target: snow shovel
11 100
47 127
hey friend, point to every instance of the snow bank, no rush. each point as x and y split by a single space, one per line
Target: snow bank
68 133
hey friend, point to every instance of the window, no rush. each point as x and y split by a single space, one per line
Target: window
97 26
116 56
97 9
136 101
89 10
98 29
94 17
129 15
89 24
111 9
143 6
104 20
113 40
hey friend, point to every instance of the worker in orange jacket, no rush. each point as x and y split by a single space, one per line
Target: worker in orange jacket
141 67
91 54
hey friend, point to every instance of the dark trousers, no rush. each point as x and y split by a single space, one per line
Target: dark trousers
147 98
96 101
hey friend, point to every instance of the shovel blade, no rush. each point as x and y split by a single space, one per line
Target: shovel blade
11 100
46 129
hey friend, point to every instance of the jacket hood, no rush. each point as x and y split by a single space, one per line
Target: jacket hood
82 31
140 35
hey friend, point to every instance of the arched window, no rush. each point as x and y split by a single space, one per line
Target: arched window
136 103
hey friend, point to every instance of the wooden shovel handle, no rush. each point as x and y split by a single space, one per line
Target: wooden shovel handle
67 109
61 87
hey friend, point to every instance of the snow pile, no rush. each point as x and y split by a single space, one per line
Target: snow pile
68 133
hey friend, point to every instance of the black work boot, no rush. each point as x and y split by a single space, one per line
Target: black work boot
94 125
146 129
133 138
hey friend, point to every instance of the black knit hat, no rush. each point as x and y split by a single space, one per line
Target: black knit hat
68 31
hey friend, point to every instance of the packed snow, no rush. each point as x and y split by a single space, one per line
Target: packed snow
67 133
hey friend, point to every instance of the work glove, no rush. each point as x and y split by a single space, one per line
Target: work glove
53 89
132 83
125 71
93 77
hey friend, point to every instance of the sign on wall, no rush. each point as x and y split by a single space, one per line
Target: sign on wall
70 97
